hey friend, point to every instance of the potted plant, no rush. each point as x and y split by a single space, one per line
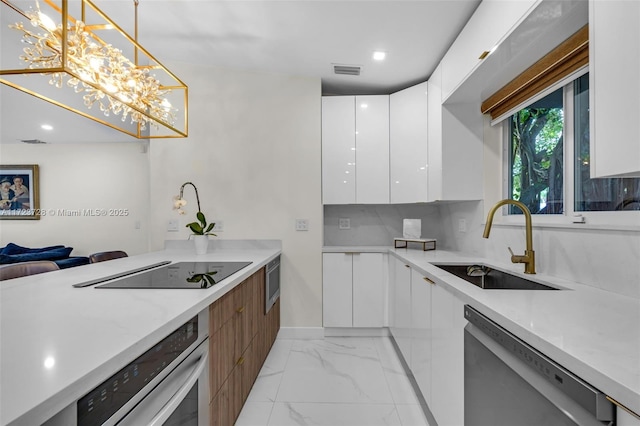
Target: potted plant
201 230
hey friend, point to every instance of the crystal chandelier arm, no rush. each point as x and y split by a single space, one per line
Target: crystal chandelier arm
196 190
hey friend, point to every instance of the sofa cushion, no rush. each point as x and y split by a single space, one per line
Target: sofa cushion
12 248
53 254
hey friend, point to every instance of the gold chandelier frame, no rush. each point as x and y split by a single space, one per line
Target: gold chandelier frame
102 32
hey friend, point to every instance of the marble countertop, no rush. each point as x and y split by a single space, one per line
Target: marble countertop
593 333
57 341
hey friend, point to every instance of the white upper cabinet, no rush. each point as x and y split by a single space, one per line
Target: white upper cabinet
408 145
492 21
338 149
372 149
614 88
355 149
455 147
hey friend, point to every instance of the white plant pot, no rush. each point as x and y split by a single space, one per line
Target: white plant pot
202 243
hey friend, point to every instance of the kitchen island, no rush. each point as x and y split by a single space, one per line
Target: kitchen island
58 342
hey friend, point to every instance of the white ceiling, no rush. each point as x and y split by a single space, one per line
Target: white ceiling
302 37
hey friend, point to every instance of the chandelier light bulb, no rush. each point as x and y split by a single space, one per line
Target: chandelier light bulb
46 22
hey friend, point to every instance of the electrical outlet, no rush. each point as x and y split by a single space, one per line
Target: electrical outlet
219 226
173 225
302 224
344 223
462 225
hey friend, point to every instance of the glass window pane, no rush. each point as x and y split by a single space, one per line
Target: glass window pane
536 165
596 194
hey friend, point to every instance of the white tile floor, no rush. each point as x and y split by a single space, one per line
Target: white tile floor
338 381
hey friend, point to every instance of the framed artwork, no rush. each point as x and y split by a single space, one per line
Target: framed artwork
19 192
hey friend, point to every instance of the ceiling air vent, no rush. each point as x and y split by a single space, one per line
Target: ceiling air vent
346 69
32 141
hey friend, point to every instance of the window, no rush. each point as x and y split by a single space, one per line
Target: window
537 155
538 142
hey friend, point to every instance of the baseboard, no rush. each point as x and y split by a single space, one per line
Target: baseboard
301 333
355 332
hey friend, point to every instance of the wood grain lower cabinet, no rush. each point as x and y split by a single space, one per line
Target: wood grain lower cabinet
241 335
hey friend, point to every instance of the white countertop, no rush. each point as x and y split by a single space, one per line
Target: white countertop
591 332
90 333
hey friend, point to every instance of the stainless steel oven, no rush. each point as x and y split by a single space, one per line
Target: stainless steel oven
167 385
272 283
507 382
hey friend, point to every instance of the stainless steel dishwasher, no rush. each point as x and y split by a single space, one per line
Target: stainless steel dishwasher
508 382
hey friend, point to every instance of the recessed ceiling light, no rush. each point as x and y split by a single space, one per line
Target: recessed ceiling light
47 127
379 55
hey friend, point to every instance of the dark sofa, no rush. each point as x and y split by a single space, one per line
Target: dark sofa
13 253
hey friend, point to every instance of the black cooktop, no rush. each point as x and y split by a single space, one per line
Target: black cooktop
179 275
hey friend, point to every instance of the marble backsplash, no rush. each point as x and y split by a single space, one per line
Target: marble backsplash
607 259
603 258
377 225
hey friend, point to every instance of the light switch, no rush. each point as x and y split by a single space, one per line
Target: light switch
344 223
302 224
173 225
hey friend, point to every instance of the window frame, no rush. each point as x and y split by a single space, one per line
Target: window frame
619 220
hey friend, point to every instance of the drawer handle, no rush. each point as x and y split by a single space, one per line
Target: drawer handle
240 310
407 266
429 280
240 361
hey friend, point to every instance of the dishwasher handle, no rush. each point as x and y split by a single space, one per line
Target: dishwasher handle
180 395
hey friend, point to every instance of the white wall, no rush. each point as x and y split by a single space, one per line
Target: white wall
84 176
253 151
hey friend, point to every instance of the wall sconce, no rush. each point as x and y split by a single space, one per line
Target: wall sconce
116 81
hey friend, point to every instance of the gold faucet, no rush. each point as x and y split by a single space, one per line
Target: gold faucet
529 257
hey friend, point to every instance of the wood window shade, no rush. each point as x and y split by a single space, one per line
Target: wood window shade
568 57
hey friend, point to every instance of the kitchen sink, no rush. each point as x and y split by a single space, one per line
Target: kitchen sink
487 278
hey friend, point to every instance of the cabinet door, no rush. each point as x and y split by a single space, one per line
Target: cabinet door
624 418
421 332
491 22
372 149
614 87
402 308
447 351
368 289
337 290
434 132
338 150
408 145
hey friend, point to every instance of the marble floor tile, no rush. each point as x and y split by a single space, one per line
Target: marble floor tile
334 370
268 381
255 414
411 415
322 414
335 381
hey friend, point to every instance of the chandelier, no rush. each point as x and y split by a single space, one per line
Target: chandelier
112 79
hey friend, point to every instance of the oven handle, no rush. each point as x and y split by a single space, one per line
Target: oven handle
168 409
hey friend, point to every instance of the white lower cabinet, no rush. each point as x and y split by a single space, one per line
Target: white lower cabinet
447 357
353 286
427 322
400 312
421 332
624 418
